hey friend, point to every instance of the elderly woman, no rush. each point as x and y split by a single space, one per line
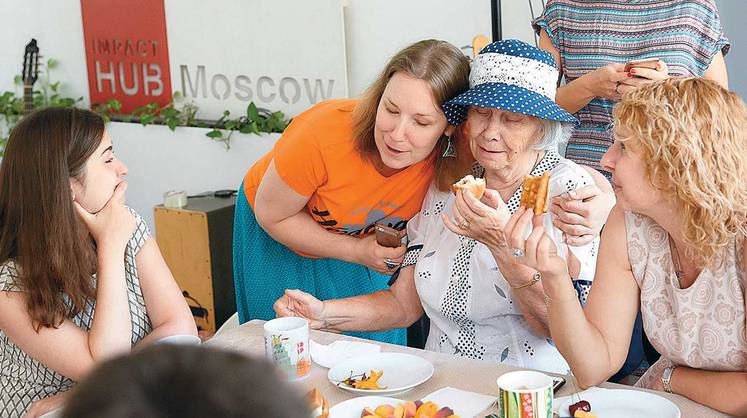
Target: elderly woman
674 245
481 303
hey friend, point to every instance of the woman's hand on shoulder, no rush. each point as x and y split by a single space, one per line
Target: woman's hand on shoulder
482 220
582 213
299 303
384 260
114 224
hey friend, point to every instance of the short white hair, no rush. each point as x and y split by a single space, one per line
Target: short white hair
554 134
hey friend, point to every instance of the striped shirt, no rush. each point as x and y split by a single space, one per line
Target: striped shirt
591 34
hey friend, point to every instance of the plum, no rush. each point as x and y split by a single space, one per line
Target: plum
582 405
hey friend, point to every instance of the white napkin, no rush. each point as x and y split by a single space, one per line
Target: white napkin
576 397
329 355
465 404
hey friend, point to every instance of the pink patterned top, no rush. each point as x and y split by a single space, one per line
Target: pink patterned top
702 326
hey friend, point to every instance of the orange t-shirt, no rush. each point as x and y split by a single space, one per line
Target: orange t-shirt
316 157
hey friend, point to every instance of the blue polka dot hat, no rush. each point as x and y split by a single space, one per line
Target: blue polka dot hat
514 76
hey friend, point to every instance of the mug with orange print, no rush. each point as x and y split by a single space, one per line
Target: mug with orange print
287 345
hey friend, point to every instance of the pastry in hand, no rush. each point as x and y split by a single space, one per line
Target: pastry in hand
534 195
468 182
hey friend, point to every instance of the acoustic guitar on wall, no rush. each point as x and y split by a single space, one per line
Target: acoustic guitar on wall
29 75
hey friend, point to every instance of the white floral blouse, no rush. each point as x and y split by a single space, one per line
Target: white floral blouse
470 305
703 326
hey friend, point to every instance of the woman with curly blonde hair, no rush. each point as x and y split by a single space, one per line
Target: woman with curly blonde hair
674 245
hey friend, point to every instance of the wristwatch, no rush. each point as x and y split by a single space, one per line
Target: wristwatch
666 378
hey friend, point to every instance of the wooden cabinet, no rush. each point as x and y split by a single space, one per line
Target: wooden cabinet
196 241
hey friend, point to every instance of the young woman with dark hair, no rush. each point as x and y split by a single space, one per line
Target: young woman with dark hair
81 279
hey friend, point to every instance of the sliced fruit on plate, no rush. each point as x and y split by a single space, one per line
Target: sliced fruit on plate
409 409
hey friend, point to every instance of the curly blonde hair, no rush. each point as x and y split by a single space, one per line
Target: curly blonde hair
692 135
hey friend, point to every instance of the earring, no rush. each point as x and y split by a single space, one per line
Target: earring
450 151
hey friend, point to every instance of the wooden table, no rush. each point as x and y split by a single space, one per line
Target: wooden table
457 372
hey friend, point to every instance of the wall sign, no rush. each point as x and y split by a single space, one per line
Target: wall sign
127 54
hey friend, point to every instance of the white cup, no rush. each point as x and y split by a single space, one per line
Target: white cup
525 393
287 345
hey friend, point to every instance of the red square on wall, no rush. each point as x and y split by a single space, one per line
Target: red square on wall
127 52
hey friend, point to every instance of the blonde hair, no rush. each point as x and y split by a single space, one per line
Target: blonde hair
440 64
691 134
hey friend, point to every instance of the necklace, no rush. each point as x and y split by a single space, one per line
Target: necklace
676 261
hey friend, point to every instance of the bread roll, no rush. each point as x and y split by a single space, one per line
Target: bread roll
468 182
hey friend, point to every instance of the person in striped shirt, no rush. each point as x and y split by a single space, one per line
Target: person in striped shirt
592 40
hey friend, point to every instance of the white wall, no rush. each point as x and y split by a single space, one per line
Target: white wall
733 15
517 19
57 27
282 54
159 160
377 29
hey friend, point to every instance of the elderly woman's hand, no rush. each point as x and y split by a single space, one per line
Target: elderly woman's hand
299 303
582 213
641 76
482 220
537 251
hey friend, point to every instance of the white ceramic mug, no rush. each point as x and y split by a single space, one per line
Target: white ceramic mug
287 345
525 394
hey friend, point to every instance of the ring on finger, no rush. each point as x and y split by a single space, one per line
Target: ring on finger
517 252
390 264
464 225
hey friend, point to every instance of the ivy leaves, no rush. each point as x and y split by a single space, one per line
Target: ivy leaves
256 121
174 114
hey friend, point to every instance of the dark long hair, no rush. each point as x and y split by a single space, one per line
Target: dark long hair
39 228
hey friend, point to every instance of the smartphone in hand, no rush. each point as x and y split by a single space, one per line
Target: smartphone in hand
650 63
388 237
557 383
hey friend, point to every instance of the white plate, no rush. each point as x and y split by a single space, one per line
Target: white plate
401 372
180 339
352 408
621 403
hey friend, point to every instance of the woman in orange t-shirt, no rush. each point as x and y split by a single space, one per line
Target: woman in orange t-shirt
307 210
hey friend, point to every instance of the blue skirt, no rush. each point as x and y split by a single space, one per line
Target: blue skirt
263 268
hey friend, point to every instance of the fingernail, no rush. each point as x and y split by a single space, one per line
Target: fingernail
632 72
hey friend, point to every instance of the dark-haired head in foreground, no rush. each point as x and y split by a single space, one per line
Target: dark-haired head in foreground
184 381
